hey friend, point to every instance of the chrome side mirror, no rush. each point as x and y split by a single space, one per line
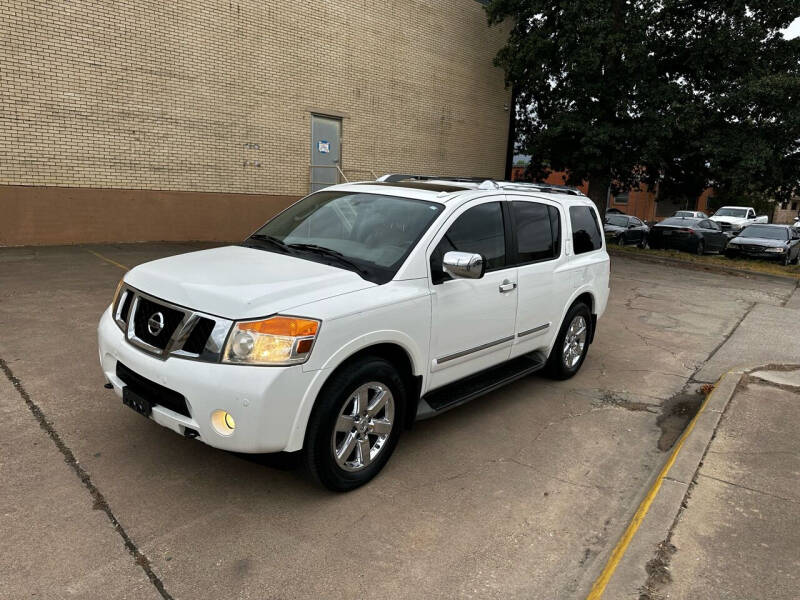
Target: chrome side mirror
464 265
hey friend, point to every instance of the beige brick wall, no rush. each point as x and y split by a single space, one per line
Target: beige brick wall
173 95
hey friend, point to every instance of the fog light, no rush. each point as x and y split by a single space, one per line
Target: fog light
223 422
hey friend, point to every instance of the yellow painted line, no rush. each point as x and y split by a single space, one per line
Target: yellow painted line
108 260
622 545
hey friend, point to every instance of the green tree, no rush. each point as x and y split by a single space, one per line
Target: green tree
678 94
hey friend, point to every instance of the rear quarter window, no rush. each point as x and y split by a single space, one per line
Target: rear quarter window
585 229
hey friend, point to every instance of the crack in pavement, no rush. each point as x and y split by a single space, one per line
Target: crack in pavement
99 501
744 487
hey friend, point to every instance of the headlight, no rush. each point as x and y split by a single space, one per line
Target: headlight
273 341
776 250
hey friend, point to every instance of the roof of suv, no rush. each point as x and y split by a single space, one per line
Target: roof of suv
446 189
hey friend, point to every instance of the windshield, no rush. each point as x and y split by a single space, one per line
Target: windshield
618 221
731 212
767 233
368 233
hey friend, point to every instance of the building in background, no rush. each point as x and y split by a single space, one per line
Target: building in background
641 203
199 119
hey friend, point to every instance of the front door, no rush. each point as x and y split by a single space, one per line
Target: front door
326 151
472 325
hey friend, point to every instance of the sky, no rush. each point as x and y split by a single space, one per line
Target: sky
793 30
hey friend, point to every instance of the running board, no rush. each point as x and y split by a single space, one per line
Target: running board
462 391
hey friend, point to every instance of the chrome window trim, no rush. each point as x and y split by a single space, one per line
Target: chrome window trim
456 355
212 352
534 330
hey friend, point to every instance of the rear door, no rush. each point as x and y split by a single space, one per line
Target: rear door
545 284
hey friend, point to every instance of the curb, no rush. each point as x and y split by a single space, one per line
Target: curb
665 260
624 573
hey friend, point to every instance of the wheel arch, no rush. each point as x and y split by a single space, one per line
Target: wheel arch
391 351
587 298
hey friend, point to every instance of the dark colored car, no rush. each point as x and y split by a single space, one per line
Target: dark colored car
692 235
614 211
624 229
774 242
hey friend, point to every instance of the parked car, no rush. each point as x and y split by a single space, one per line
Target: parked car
774 242
693 214
689 234
614 211
735 218
355 311
624 229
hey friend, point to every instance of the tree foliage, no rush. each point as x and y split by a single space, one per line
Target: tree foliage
678 94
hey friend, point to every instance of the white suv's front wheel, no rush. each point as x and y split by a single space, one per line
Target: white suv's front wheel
356 423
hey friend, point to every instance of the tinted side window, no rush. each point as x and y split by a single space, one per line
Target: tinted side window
585 230
538 231
636 222
479 230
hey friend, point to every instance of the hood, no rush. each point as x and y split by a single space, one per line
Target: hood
241 283
767 243
608 228
731 220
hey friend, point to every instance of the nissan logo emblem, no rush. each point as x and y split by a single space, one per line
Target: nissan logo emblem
155 323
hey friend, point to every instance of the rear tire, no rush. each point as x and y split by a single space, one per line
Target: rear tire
571 345
351 435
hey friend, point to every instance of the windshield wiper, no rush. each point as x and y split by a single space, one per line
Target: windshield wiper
273 241
328 252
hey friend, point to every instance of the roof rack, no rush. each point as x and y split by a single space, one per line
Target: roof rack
486 183
391 177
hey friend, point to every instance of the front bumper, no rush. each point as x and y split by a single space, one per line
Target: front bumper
269 404
736 252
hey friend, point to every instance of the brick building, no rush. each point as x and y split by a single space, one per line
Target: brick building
640 203
199 119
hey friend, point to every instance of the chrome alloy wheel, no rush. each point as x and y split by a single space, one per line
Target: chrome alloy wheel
575 341
363 426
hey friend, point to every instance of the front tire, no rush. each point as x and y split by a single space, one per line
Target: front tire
356 424
700 249
572 343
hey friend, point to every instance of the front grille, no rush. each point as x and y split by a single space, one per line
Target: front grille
750 248
152 391
126 306
186 333
146 309
199 336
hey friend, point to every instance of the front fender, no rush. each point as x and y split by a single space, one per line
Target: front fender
354 346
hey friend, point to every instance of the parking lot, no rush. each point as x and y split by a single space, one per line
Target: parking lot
521 493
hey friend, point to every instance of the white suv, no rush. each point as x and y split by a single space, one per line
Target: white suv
355 311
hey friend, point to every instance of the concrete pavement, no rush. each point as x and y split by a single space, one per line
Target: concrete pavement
738 537
519 494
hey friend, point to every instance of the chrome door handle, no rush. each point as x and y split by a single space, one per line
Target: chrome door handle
507 286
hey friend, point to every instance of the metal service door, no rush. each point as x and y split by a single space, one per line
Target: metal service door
326 151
